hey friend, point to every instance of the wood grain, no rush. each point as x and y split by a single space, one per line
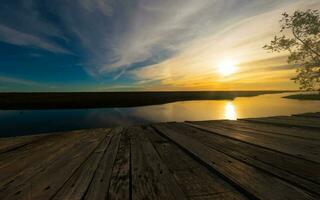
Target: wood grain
119 188
308 150
250 179
265 158
99 186
150 177
195 180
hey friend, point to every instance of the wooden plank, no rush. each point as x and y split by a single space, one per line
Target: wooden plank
312 115
12 157
268 129
48 181
76 187
305 150
315 122
224 196
214 196
120 178
33 147
195 180
99 186
255 182
33 156
289 121
150 177
287 160
11 143
298 172
265 135
13 175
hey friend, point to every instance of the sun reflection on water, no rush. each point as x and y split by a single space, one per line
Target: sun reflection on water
230 111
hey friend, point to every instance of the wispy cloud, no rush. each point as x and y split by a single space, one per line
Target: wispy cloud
15 37
240 41
154 27
102 6
169 43
11 80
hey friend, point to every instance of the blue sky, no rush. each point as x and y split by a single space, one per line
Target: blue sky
108 45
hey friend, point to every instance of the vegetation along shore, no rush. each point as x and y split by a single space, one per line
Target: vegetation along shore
112 99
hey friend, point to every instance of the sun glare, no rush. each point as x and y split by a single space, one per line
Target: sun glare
230 111
227 68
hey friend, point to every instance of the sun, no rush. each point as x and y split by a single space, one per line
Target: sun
227 68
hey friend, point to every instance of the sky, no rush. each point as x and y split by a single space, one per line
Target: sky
143 45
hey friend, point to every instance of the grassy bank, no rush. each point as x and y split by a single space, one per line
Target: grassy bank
304 96
111 99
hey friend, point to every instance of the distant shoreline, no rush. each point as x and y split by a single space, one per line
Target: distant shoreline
304 97
77 100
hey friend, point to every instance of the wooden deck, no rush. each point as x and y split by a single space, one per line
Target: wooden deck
266 158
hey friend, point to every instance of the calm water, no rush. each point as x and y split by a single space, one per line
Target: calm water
16 122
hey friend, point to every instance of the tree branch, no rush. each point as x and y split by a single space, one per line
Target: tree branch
298 38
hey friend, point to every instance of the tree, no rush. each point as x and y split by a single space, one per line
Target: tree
301 38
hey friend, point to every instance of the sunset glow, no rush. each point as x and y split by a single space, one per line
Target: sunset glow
144 45
230 111
227 68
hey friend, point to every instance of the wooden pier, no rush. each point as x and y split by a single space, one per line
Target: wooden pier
266 158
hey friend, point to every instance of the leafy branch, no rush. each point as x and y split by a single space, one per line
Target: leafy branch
301 38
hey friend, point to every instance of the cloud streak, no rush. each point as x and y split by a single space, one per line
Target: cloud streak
15 37
169 43
6 80
240 41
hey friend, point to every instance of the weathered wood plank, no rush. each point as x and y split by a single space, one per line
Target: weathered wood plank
256 182
295 132
31 164
312 115
258 133
35 146
120 178
34 155
289 121
99 186
8 144
76 187
11 157
298 172
150 177
48 181
224 196
195 180
277 159
305 150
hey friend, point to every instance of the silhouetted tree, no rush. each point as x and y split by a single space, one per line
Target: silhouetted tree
301 38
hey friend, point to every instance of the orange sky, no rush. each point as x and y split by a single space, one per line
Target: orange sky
197 67
144 45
